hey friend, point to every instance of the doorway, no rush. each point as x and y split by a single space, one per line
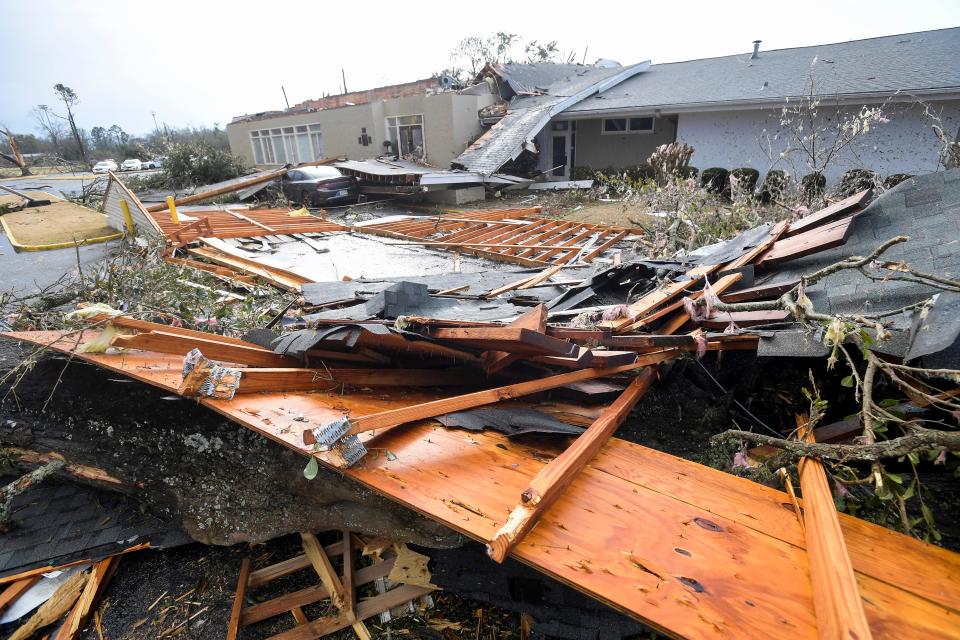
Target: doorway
561 150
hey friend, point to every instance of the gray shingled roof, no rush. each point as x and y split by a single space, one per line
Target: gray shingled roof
554 83
912 62
926 209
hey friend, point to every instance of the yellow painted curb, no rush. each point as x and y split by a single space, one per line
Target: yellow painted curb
58 245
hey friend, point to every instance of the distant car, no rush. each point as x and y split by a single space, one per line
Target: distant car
131 164
104 166
317 186
147 164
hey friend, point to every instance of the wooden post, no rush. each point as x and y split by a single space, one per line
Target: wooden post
549 483
836 597
233 626
172 206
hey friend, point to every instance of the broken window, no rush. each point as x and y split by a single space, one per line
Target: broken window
303 143
628 125
406 135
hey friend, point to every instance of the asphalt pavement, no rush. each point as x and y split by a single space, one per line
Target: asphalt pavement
27 272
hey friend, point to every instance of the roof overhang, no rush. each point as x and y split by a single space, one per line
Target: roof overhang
949 93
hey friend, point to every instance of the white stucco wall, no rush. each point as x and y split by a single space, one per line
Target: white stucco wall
730 139
450 124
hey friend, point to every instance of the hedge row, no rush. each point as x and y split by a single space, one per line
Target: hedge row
717 179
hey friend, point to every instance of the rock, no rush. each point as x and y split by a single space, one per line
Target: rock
218 481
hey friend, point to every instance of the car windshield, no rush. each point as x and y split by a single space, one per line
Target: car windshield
317 173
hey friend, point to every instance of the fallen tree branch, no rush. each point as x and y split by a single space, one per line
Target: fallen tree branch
21 484
918 440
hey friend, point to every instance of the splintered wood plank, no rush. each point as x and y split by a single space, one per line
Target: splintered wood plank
730 553
683 317
804 244
331 582
836 598
233 625
830 213
100 575
550 482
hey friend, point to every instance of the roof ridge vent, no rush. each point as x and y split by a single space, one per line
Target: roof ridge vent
756 49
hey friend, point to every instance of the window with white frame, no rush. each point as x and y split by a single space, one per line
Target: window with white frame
302 143
406 135
614 126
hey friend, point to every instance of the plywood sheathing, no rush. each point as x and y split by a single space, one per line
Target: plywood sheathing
689 550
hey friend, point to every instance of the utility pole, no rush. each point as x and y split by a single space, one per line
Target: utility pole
344 74
285 96
156 127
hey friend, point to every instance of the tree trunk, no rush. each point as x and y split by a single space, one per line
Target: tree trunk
218 481
17 158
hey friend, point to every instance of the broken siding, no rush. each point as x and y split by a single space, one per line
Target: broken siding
117 191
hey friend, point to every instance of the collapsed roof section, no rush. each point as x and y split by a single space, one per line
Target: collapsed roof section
536 93
388 176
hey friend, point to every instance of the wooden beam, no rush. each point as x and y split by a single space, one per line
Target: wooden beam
233 626
514 339
814 241
164 342
551 480
829 214
304 597
489 396
283 568
350 590
212 193
836 596
535 320
256 380
321 564
365 609
13 592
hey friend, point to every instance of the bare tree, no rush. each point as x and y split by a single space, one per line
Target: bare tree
51 125
70 99
14 156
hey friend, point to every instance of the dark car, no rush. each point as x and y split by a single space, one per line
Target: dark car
317 186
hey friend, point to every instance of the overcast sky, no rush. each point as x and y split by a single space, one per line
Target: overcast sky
199 62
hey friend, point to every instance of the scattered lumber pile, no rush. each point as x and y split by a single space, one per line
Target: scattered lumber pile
369 385
397 570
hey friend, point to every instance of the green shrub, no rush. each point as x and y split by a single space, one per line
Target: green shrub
813 184
199 163
857 180
746 178
688 172
714 179
640 172
893 180
582 172
775 184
